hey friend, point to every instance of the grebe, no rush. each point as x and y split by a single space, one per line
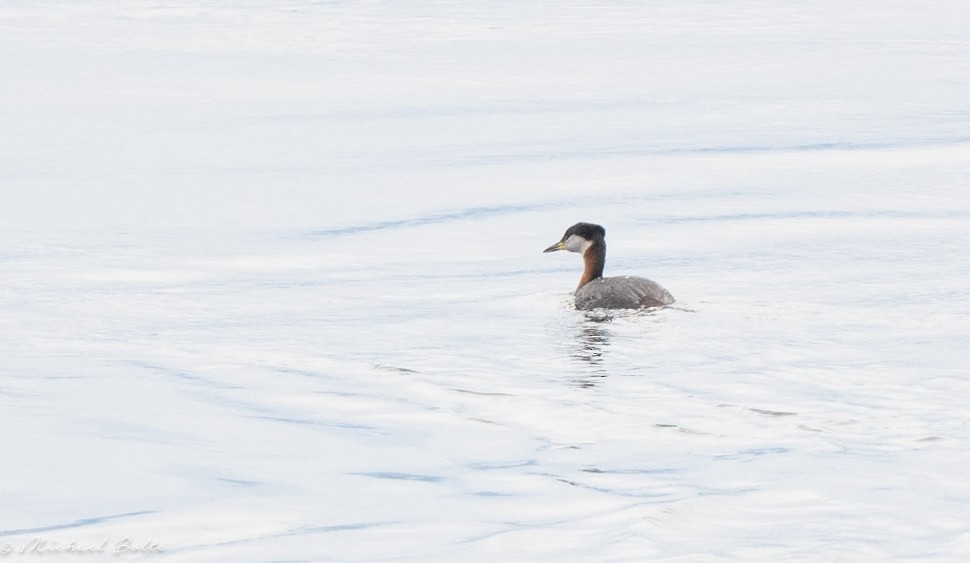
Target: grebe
595 291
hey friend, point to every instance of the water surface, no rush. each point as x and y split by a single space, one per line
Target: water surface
273 285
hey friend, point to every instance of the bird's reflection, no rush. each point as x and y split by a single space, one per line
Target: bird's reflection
591 341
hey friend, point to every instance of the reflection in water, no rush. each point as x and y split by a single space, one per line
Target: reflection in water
596 331
593 338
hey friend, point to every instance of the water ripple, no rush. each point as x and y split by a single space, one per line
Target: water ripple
432 219
75 524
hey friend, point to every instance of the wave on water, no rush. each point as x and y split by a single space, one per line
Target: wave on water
431 219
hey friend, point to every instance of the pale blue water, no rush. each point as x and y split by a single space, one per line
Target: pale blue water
273 285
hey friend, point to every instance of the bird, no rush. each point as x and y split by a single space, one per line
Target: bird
594 291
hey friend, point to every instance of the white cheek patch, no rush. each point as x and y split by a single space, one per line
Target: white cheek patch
577 243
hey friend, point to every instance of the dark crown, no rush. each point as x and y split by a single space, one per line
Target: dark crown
588 231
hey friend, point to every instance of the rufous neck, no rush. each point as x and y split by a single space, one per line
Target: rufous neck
593 259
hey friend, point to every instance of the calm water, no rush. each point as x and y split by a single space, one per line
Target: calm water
273 285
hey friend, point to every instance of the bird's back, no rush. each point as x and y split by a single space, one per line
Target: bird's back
622 292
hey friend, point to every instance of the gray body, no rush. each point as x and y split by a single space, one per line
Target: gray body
622 292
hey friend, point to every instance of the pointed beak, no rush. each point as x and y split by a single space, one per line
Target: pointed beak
558 246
